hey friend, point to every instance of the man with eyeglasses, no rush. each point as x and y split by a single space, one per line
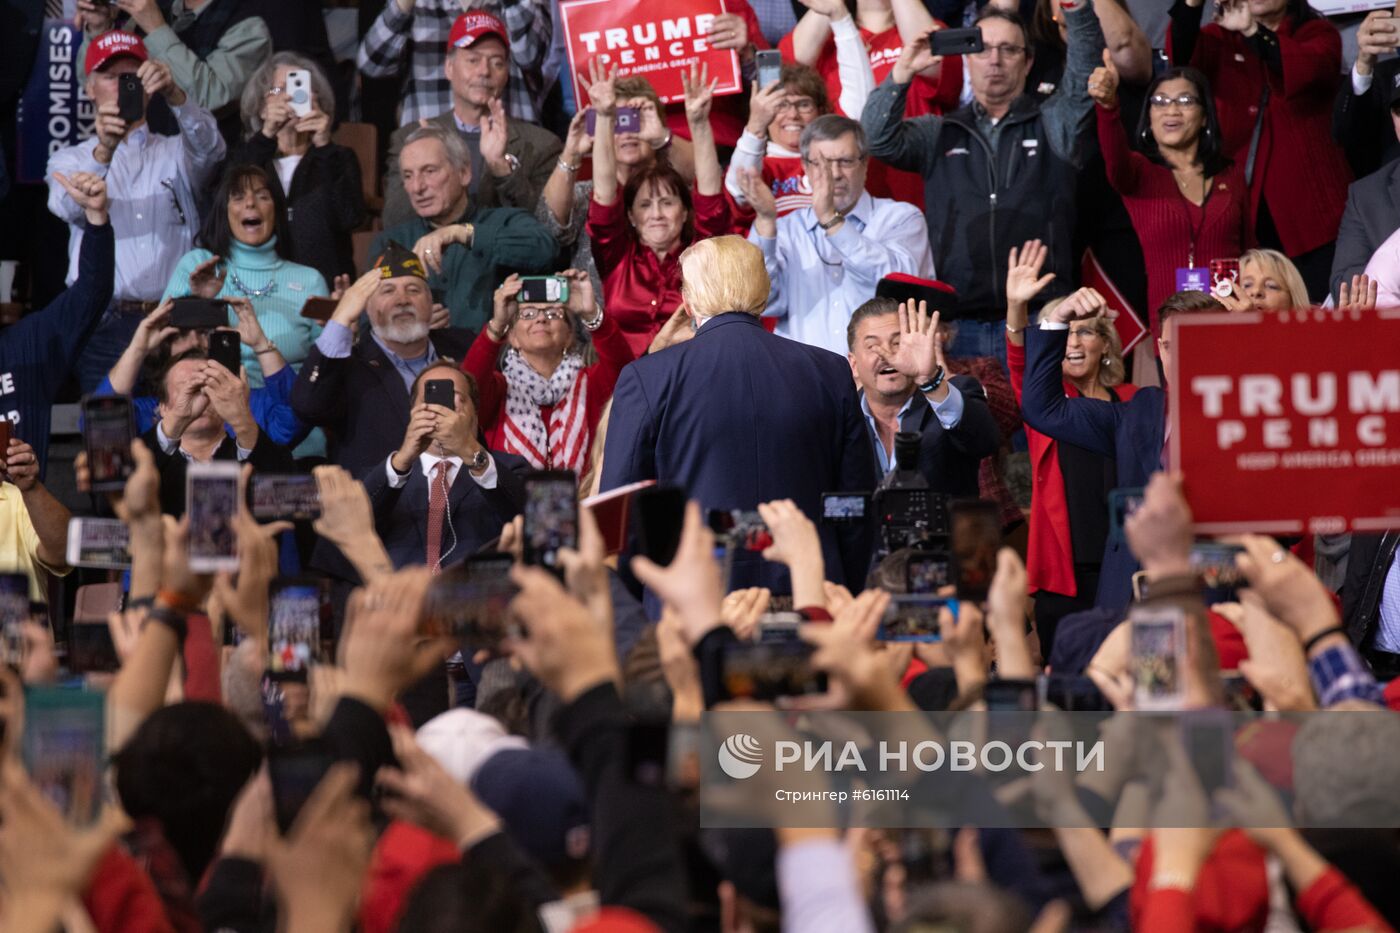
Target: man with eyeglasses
998 171
151 184
825 260
359 391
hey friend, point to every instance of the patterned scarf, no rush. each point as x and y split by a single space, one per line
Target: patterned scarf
563 444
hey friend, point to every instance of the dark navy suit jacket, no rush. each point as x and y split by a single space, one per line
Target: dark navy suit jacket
1131 432
950 460
737 416
477 514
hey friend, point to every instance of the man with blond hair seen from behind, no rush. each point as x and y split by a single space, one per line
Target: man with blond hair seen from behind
737 416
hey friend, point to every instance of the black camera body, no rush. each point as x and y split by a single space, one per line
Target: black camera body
910 515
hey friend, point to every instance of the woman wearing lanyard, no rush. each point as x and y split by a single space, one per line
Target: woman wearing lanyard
1187 201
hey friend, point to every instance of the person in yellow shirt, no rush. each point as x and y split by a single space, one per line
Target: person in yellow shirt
33 524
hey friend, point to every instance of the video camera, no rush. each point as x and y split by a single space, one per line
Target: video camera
910 515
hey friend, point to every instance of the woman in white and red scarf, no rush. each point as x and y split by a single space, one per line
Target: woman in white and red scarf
538 397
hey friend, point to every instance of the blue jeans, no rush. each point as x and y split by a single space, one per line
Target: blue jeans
108 342
979 338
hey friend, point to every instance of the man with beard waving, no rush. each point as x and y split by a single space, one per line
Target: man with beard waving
359 392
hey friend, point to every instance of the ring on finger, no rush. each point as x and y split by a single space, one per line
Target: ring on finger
1279 556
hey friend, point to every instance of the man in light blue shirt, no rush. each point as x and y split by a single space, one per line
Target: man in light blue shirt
825 260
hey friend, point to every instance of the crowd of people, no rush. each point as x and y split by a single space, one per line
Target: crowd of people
868 273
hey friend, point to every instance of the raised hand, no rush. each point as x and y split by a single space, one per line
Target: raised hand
831 9
1378 35
566 648
493 138
691 583
1236 16
355 297
156 79
915 57
110 130
1159 532
699 94
318 125
919 353
504 307
380 647
763 107
207 278
1103 83
422 422
1081 305
88 191
277 113
730 31
1360 296
1023 278
602 87
577 142
250 332
760 198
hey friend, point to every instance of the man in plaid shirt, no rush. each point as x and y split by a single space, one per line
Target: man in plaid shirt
427 24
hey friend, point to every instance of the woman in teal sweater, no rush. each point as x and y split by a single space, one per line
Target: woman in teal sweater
244 239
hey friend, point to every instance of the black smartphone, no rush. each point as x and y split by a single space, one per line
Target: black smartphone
319 308
1122 503
660 516
91 649
647 751
131 98
278 496
192 313
974 539
770 67
108 429
440 392
14 612
1011 695
551 516
843 508
297 609
225 350
295 771
471 603
1209 738
543 290
768 670
955 41
925 572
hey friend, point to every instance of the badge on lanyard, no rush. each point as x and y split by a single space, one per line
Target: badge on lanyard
1193 279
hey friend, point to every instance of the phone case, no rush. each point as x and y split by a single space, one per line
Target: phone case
299 92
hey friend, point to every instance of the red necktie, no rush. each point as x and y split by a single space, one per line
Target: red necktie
437 511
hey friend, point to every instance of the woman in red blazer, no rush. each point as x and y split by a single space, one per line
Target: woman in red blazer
1281 58
539 398
1069 485
1187 201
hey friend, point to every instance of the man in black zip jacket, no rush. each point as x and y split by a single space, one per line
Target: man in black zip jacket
1371 602
998 171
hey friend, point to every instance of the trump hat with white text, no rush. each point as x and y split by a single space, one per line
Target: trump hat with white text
472 26
110 45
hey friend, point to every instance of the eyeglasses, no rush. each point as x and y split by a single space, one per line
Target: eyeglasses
1185 101
845 165
1005 51
803 106
1084 333
275 91
550 314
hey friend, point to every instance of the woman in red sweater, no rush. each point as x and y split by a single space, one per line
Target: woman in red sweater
1275 67
638 233
1069 485
1187 201
538 397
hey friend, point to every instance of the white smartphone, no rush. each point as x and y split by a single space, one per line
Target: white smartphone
1158 660
298 91
211 502
99 542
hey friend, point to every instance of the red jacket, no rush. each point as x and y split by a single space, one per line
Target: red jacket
1300 172
1049 556
613 354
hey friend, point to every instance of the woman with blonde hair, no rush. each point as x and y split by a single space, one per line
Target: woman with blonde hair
1069 485
1270 281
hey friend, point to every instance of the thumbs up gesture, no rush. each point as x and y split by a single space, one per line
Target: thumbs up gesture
1103 83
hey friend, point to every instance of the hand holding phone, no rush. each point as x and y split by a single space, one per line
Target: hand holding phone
211 502
298 91
131 98
770 67
956 41
108 429
551 517
225 349
440 392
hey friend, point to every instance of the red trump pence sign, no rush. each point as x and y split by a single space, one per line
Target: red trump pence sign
1287 423
655 39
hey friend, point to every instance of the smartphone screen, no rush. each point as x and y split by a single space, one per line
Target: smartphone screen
65 748
844 507
471 602
296 607
295 771
14 612
1158 658
925 572
91 649
99 542
660 518
543 289
277 496
1011 695
211 501
1214 563
914 618
1122 503
975 538
440 392
551 517
108 429
224 349
768 670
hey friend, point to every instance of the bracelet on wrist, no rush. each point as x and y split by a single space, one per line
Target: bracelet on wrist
1325 633
171 618
567 168
596 322
177 600
667 143
270 348
1014 330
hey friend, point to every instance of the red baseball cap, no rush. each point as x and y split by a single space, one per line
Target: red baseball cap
474 24
110 45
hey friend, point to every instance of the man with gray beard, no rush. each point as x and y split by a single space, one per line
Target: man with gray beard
358 390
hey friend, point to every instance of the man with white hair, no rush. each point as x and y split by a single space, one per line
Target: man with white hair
360 393
737 416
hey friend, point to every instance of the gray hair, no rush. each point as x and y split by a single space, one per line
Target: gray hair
1344 766
255 91
458 154
832 126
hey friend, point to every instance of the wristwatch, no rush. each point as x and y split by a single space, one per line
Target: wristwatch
514 164
933 384
477 463
835 219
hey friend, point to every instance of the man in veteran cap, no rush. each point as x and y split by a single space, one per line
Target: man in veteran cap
359 390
